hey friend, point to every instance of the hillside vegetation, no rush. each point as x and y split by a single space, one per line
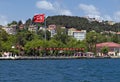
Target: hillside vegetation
82 23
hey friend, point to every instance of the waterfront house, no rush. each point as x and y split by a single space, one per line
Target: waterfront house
113 48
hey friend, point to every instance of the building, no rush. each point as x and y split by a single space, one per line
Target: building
79 35
92 19
70 31
22 26
32 28
52 29
11 29
111 22
114 48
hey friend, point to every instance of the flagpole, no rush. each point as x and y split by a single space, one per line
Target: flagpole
45 28
45 34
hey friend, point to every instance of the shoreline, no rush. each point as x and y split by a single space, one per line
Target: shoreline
53 57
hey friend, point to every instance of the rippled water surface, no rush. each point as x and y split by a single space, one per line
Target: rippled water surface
76 70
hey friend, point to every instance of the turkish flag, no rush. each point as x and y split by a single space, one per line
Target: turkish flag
39 18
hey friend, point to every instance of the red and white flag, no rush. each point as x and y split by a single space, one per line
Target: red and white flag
39 18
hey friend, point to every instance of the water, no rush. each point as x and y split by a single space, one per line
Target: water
76 70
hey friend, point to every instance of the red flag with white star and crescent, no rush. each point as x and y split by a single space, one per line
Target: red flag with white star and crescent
39 18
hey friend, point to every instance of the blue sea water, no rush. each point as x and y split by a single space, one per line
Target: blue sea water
73 70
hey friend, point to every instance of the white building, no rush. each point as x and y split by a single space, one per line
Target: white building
11 29
32 28
52 29
79 35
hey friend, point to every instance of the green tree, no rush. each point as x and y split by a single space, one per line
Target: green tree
61 35
20 23
20 38
32 46
92 39
12 23
41 34
115 38
105 50
28 23
4 37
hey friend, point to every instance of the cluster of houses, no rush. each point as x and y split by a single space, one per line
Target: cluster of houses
78 34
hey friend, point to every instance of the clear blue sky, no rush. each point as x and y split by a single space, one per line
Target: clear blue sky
23 9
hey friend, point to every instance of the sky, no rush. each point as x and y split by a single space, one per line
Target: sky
15 10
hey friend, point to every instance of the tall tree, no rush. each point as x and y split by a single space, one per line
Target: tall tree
92 39
28 23
20 23
61 35
12 23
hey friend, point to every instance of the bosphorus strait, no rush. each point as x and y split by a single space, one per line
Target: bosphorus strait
73 70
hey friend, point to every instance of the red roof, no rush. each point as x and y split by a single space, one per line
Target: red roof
118 32
108 44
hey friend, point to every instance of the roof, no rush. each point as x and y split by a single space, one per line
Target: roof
108 44
72 29
118 33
